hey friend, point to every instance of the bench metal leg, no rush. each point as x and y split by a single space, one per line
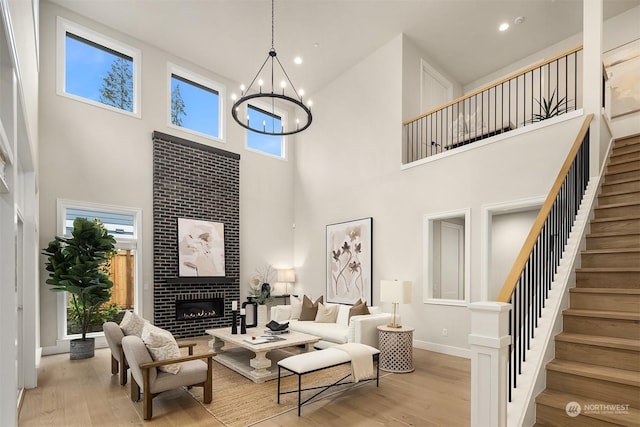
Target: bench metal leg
299 393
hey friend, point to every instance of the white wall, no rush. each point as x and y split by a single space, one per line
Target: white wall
509 232
349 168
115 167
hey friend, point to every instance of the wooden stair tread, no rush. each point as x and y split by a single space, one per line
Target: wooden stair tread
620 291
604 314
614 234
617 193
608 269
558 400
612 251
616 218
604 373
620 181
618 205
600 341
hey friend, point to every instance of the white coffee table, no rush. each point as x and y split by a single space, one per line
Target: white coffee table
249 359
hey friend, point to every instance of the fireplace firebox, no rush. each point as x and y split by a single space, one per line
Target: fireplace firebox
199 308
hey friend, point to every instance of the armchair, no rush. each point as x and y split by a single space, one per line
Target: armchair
146 376
113 333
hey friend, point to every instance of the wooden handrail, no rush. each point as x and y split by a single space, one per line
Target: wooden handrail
494 84
518 266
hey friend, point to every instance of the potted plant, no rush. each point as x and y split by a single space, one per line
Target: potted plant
549 108
79 265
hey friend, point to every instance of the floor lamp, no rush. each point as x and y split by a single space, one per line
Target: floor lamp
395 292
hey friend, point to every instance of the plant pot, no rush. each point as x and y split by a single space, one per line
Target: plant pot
82 349
263 315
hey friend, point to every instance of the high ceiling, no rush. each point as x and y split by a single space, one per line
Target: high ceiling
232 37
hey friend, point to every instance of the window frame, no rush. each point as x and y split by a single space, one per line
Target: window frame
65 26
283 119
207 83
134 243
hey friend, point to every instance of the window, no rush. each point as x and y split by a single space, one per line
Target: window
268 144
446 263
124 225
96 69
195 103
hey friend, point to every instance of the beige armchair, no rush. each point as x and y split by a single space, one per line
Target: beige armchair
114 334
146 376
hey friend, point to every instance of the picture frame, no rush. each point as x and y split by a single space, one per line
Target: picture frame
349 261
200 248
622 66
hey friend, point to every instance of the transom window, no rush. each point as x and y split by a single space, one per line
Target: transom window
267 144
96 69
195 103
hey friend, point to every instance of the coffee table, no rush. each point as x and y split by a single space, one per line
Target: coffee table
236 352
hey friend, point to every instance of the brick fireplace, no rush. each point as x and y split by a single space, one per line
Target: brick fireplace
193 181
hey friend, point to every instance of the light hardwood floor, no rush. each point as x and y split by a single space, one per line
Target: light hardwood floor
437 393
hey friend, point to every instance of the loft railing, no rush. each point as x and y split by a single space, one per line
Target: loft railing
528 284
544 90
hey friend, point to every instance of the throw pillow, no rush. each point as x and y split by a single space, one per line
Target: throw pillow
358 310
296 308
309 309
326 313
162 346
132 324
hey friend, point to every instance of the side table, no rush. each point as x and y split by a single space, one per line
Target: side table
396 349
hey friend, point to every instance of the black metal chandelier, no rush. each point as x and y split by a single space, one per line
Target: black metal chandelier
287 99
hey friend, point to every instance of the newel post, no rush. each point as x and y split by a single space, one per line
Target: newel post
489 340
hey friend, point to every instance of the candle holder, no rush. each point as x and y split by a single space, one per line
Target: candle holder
234 320
243 324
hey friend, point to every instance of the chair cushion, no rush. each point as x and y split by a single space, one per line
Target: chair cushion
309 308
191 372
296 307
162 346
132 324
343 315
327 313
358 310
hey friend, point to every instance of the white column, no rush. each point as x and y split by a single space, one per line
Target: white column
592 23
489 340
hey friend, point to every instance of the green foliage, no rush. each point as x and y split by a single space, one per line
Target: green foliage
177 106
79 265
104 313
117 86
549 108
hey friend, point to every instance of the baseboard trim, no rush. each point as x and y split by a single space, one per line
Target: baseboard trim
444 349
62 346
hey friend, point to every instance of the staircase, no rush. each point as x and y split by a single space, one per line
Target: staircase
597 356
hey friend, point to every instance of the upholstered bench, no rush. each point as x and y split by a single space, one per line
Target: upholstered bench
314 361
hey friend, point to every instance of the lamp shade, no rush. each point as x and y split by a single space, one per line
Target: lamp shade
287 276
395 291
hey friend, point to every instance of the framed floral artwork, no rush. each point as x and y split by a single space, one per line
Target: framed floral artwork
200 248
349 261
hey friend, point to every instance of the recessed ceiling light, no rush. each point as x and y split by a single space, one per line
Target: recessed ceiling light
297 60
503 27
519 20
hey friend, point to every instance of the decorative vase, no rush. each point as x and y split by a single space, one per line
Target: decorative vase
263 315
81 349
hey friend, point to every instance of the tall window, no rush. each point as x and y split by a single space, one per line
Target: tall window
269 122
195 103
124 225
96 69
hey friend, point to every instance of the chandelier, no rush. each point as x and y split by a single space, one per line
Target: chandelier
268 103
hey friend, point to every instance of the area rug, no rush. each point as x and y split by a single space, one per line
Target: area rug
238 401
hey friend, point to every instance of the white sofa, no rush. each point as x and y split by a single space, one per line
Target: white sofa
359 329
